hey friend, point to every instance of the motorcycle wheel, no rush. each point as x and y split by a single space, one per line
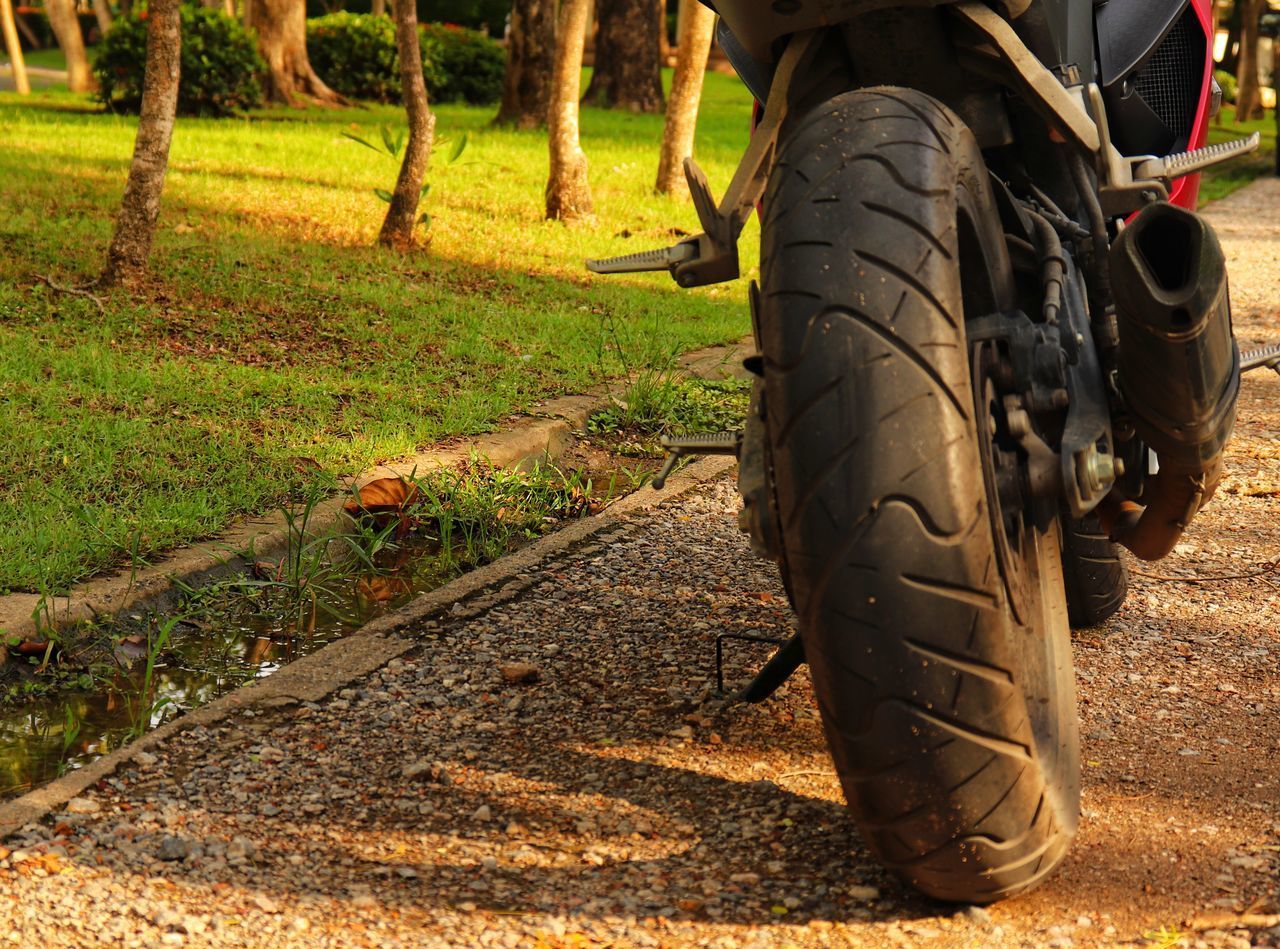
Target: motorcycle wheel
1096 576
934 624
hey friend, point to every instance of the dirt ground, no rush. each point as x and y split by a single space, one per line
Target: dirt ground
555 770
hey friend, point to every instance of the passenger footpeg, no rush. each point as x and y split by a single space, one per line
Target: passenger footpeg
710 257
1268 357
718 443
1188 163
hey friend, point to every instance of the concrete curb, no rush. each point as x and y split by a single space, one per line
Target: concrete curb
545 435
312 677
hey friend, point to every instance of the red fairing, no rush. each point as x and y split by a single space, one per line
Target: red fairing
1186 191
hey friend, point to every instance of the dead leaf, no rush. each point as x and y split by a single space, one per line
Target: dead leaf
266 570
30 647
305 465
384 502
381 589
383 496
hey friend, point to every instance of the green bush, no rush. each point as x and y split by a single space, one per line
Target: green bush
355 54
220 64
471 65
1228 84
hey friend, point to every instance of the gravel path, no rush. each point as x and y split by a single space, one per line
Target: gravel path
556 769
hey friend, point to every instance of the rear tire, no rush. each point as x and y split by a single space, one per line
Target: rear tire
951 720
1096 576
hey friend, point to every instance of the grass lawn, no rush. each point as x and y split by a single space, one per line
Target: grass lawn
272 331
42 58
1221 181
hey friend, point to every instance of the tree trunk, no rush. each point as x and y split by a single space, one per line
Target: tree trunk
136 224
531 49
379 8
19 65
281 26
628 65
568 193
402 212
1231 54
66 27
102 13
1248 88
697 23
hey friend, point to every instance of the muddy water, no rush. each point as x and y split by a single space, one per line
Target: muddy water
224 639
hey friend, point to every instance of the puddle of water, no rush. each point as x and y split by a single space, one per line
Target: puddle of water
234 636
249 628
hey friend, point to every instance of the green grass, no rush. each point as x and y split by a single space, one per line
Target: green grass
1221 181
272 331
43 58
668 402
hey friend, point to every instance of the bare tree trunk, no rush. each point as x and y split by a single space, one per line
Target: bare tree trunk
66 27
1248 87
281 26
229 8
697 23
628 64
102 13
664 42
140 208
1231 55
14 48
568 193
379 7
402 213
531 49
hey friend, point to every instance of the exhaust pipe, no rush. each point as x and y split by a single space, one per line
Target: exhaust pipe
1178 369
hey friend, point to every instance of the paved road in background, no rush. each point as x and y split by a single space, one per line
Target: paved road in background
38 77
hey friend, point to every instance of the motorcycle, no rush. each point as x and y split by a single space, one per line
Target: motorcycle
994 347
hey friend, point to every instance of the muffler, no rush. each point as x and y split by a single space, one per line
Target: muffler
1178 369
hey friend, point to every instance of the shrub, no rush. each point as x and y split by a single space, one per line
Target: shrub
1228 84
220 64
355 54
471 65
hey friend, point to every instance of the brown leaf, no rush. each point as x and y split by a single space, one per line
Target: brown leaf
385 500
265 570
305 465
30 647
381 589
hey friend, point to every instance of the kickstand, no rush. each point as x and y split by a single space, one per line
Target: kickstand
780 667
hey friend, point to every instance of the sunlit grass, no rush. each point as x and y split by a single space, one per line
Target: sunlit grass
1221 181
273 330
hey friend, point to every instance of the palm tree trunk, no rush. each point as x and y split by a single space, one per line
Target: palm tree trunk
140 208
66 27
14 48
402 212
568 192
696 25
